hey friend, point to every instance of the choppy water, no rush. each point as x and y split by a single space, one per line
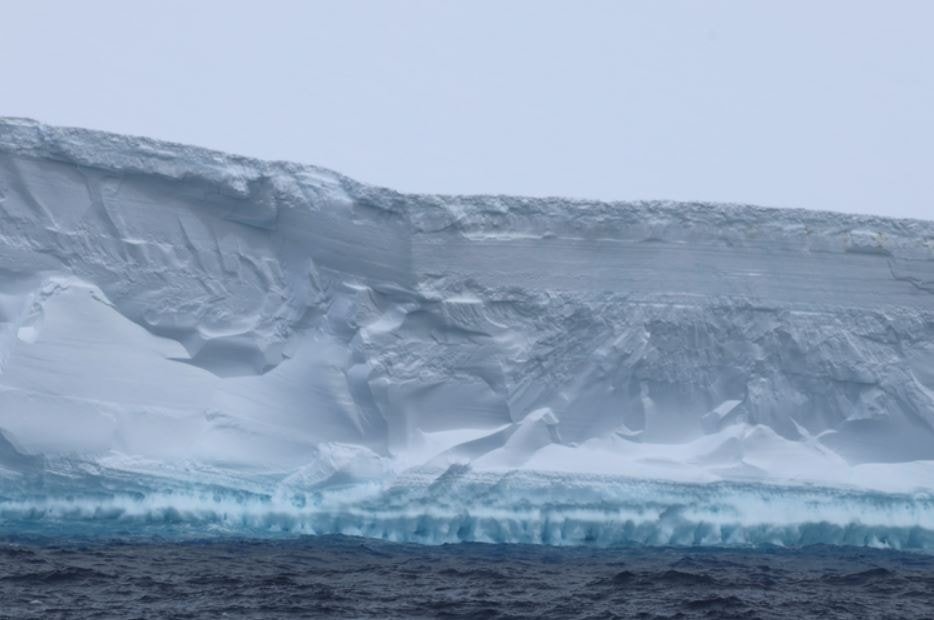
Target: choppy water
353 578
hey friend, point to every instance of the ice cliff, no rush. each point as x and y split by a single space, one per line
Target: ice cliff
175 316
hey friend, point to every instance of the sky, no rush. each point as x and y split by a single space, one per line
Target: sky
792 103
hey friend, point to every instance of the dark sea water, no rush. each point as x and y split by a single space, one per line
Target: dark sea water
344 577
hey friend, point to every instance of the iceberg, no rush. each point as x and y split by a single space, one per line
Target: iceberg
199 342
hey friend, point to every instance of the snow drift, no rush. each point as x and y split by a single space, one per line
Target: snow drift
175 319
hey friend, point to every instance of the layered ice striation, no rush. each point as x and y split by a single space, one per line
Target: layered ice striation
198 338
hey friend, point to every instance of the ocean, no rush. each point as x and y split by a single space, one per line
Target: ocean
347 577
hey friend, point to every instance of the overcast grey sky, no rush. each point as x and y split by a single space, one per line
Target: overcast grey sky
818 104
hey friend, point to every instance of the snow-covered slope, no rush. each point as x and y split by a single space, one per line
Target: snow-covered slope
192 316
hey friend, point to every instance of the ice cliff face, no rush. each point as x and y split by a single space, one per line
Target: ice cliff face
165 308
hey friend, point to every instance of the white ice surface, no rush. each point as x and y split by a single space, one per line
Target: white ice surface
198 316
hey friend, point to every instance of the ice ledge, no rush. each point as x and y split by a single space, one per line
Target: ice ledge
250 178
139 155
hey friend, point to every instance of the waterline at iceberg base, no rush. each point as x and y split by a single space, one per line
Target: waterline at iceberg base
194 343
516 507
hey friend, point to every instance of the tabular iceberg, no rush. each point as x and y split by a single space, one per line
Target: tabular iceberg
215 342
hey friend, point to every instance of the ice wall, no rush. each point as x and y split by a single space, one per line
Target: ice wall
164 306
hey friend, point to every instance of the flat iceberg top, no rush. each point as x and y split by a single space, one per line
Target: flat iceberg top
179 315
235 174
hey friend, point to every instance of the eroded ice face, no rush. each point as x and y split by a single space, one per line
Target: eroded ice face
183 317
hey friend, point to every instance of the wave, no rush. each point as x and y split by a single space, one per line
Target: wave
512 508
